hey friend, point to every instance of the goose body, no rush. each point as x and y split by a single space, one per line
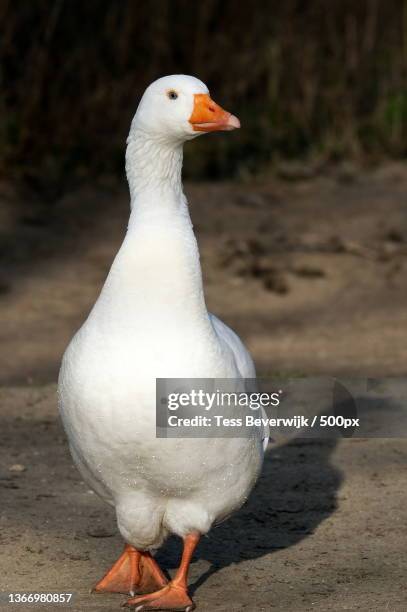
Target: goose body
150 321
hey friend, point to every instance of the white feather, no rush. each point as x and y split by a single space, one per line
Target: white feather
150 321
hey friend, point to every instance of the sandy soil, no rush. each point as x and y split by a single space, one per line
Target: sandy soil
312 274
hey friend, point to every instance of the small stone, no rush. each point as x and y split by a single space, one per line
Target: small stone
34 550
17 467
79 557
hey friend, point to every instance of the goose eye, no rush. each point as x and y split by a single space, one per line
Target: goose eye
172 94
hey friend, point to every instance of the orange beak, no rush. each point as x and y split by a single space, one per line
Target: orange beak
207 116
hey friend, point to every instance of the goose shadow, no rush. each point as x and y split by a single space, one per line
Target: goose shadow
295 493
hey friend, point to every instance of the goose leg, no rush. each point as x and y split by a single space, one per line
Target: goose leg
133 572
174 596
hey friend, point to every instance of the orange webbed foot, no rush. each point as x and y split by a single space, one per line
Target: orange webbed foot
133 572
151 577
171 597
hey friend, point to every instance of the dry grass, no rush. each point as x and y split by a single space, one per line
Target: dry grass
316 77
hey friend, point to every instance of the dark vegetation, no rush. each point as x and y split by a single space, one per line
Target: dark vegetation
318 79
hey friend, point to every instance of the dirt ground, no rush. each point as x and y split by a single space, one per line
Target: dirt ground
311 273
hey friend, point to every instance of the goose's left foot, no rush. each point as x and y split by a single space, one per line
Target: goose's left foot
174 596
133 572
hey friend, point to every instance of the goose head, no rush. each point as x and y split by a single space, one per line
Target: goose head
179 108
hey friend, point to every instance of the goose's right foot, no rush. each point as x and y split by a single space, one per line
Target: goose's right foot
172 598
133 572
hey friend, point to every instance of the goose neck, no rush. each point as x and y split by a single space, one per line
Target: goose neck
153 166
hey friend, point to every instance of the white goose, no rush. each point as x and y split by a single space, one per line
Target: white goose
150 321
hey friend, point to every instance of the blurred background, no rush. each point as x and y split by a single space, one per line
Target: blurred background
307 78
300 215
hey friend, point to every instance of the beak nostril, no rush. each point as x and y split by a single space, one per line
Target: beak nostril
211 108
